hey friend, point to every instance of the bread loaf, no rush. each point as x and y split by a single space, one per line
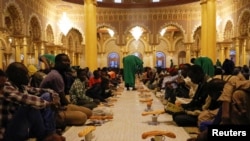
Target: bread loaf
156 112
158 133
86 131
101 117
146 100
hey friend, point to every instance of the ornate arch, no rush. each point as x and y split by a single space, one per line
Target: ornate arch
172 24
160 59
106 25
228 31
14 18
244 23
113 60
76 33
197 42
195 30
49 34
35 29
181 57
73 40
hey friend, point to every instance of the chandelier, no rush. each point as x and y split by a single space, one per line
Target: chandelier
136 32
64 24
111 32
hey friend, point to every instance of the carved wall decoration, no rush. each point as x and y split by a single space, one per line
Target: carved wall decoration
49 35
197 44
13 20
228 31
35 29
244 23
74 40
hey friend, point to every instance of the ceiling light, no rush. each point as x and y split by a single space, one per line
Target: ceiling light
136 32
65 24
163 31
111 32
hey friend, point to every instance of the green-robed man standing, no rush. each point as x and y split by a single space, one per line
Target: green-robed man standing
131 65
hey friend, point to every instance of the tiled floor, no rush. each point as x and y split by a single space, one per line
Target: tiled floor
128 124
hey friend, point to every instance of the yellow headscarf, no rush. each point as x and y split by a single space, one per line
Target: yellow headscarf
32 69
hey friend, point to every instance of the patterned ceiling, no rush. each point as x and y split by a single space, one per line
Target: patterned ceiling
135 3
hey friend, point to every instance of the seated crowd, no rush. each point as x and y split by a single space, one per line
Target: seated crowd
211 94
40 104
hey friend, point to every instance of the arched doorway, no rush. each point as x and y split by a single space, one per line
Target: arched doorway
160 60
113 60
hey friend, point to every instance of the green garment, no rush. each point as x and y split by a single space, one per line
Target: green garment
206 64
131 65
50 58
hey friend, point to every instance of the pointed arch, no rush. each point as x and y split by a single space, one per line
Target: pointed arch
14 20
49 34
244 23
228 31
113 60
35 29
160 59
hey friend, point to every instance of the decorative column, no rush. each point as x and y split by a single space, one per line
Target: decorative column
25 51
17 50
7 56
188 52
42 49
36 53
121 41
222 53
243 53
72 57
153 41
237 52
122 55
208 29
90 34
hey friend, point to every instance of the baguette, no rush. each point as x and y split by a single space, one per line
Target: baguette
101 117
156 112
158 133
146 100
86 131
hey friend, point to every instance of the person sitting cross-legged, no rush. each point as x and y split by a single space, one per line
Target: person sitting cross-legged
69 114
24 111
78 92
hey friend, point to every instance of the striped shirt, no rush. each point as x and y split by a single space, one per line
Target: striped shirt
11 98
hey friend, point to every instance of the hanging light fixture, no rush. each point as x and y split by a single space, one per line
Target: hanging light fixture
64 24
163 31
111 32
136 32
